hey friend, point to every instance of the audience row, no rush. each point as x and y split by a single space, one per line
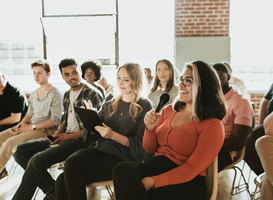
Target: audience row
203 118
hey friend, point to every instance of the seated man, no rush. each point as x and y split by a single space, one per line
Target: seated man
37 157
264 147
236 81
237 122
251 156
13 104
42 117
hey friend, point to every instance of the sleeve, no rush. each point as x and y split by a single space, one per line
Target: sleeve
56 108
269 93
149 140
95 100
135 141
243 113
208 146
17 102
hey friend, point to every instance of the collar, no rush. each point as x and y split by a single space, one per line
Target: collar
230 93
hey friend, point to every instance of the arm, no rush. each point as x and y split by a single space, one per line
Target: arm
263 110
238 137
243 115
12 119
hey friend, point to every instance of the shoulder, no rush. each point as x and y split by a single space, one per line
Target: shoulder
174 89
145 103
168 109
56 91
211 124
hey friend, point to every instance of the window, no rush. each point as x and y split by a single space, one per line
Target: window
146 34
251 43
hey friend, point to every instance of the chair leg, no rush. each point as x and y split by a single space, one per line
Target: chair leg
111 193
240 187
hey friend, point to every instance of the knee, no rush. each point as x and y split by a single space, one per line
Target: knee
72 163
122 169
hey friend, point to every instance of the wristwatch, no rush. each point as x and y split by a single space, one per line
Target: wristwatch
34 126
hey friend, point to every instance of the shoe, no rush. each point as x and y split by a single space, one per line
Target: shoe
3 174
50 196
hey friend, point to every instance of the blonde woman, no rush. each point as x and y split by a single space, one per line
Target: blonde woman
164 81
122 132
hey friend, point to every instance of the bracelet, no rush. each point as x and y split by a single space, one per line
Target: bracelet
126 142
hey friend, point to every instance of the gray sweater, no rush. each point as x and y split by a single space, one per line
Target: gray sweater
124 125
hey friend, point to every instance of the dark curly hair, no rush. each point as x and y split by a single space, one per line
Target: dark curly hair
66 62
93 64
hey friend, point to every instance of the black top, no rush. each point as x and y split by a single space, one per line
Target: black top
269 94
12 101
122 123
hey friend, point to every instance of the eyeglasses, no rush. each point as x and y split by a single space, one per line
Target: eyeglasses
186 81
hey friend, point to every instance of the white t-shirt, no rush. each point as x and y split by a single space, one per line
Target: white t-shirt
72 123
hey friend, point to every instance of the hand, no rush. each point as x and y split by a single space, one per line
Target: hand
23 128
151 119
148 183
105 131
89 106
61 137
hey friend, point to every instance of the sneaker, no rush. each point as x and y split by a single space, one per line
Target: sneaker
3 174
50 196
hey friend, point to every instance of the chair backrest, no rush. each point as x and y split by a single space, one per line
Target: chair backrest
212 180
240 156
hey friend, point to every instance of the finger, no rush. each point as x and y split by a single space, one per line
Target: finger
86 104
104 125
57 141
90 104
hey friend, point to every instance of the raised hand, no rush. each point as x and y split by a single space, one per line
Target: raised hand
151 119
89 106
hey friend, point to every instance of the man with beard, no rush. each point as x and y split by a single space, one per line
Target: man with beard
37 157
237 122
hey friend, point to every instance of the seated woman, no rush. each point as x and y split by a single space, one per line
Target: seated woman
185 138
91 72
107 86
122 134
163 82
264 147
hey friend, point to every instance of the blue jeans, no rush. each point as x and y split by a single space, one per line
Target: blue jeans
36 158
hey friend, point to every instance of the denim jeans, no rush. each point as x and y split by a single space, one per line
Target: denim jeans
36 157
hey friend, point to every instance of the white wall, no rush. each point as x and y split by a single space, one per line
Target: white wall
208 49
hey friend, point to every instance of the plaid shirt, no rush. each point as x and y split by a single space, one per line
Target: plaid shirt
86 94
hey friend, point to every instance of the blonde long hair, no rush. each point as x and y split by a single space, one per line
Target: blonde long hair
135 73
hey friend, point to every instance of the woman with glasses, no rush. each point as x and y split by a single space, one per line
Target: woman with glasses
164 81
185 138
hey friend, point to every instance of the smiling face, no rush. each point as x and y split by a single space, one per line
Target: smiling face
163 72
89 75
71 76
40 75
185 92
124 82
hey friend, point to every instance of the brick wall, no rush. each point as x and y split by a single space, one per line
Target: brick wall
201 18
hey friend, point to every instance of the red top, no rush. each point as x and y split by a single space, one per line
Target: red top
193 146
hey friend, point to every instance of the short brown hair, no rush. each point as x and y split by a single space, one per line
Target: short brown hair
43 63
